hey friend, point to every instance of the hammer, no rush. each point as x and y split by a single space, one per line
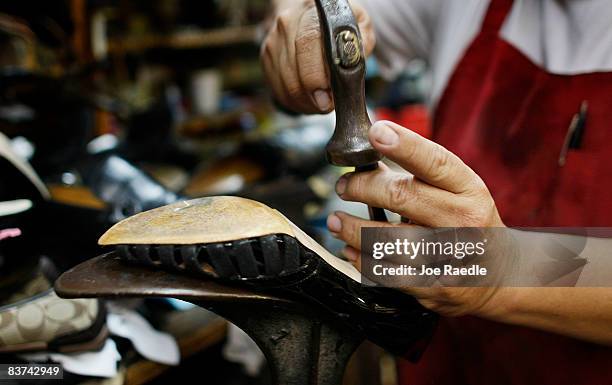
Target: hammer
349 145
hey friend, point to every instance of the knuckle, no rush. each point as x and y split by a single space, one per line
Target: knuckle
269 46
294 90
350 229
265 51
309 58
306 39
311 69
400 191
410 153
284 20
439 163
476 214
480 189
478 207
355 187
312 79
447 294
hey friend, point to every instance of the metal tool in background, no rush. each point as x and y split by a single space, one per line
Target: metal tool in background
349 146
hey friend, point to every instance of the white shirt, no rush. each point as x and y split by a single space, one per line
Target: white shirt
561 36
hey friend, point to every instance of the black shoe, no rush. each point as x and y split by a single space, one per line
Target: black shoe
126 189
245 242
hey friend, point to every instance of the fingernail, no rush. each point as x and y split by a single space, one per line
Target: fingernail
384 134
341 185
322 99
334 224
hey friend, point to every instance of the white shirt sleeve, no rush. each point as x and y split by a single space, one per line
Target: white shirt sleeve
404 31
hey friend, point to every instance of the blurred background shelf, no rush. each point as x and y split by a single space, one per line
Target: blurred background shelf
185 40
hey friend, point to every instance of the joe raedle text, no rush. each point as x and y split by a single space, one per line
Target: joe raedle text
427 271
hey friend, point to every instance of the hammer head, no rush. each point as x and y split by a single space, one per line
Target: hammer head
349 146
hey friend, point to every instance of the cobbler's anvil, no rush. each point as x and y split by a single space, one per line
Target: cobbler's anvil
302 345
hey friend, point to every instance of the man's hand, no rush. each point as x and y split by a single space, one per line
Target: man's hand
438 190
293 57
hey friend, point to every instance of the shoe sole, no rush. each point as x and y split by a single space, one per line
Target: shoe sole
238 241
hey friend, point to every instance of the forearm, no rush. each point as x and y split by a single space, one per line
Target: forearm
584 313
583 308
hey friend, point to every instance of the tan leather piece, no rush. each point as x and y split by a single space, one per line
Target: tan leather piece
75 196
213 220
203 220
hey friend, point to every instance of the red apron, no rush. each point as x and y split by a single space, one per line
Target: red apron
507 118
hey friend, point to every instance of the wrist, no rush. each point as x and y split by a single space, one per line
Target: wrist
503 304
